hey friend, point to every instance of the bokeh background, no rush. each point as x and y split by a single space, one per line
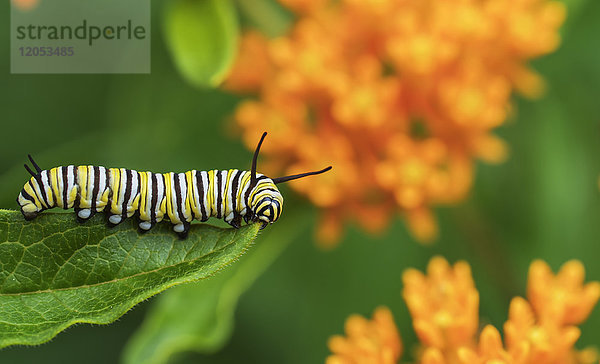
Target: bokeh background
543 202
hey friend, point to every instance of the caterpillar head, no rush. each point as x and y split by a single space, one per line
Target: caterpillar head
266 202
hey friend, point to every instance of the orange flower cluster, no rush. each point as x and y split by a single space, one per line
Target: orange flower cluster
444 308
375 341
398 95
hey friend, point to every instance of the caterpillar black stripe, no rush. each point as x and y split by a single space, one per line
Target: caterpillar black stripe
232 194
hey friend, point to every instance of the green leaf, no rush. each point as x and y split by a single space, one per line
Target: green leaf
171 327
202 38
55 272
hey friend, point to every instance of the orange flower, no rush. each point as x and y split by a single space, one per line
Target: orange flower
399 96
489 350
374 342
562 299
444 304
535 342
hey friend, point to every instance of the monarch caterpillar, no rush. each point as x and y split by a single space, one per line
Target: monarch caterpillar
180 197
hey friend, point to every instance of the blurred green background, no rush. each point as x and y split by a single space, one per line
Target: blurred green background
544 202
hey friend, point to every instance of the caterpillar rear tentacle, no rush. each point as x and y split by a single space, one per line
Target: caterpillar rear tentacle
231 195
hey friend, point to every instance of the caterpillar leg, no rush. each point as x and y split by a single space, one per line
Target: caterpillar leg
251 217
115 219
84 214
28 209
182 229
235 220
29 215
145 226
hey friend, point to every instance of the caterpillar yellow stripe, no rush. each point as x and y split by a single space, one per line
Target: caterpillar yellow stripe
231 195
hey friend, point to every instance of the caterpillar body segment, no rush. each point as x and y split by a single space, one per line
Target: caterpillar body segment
231 195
